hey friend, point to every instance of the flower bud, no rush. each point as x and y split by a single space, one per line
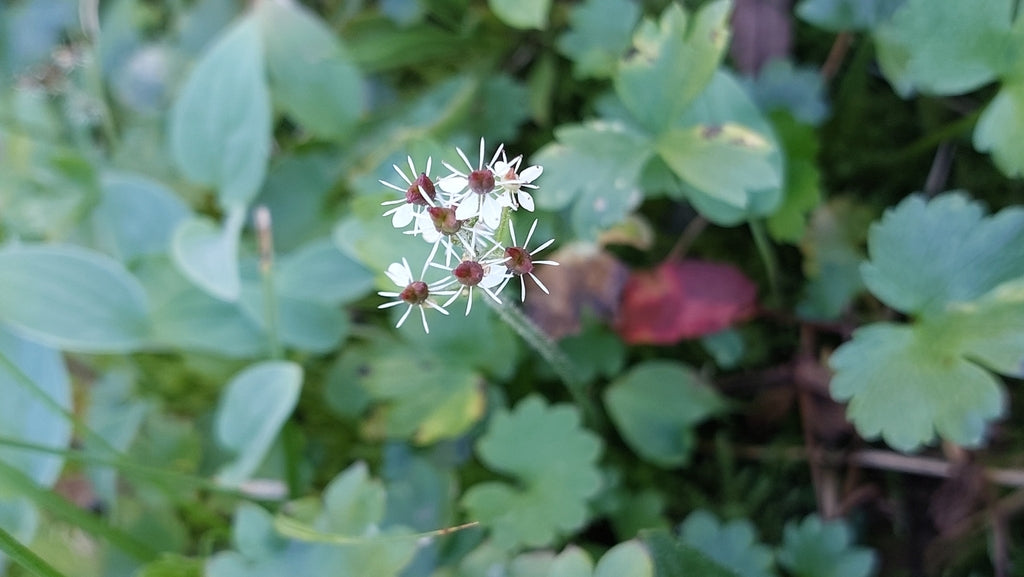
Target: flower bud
519 261
413 194
444 219
416 293
481 181
469 273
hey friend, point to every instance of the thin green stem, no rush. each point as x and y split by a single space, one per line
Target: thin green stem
771 264
24 556
265 239
550 351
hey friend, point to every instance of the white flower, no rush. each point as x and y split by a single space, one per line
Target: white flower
475 192
415 293
520 262
419 192
512 182
485 273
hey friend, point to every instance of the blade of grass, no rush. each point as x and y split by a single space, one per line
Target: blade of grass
24 556
61 508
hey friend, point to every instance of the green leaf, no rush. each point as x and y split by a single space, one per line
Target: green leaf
552 458
136 216
353 506
311 74
802 180
673 62
220 122
594 167
833 254
726 347
251 412
305 324
998 127
927 254
24 556
673 558
170 565
701 128
732 545
782 86
656 407
962 275
599 33
816 548
846 15
522 13
915 51
208 255
72 299
629 558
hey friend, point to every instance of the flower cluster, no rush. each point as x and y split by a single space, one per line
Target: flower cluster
464 215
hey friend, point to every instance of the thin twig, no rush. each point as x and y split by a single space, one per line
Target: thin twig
836 55
687 238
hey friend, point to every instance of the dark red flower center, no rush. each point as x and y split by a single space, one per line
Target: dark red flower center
519 261
469 273
416 293
444 219
481 181
413 194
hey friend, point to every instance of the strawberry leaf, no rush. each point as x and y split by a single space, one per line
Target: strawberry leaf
816 548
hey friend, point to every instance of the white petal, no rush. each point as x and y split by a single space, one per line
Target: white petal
526 200
453 184
490 212
468 208
531 173
403 216
501 167
398 275
494 275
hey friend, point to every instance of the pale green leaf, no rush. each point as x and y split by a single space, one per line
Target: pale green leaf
945 47
656 407
311 74
599 33
833 254
552 458
999 127
629 558
251 412
816 548
208 254
846 15
802 180
780 85
72 299
522 13
319 272
221 120
732 545
136 216
673 61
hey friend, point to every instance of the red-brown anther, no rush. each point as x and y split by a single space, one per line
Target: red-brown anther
444 219
481 181
416 293
469 273
519 261
413 195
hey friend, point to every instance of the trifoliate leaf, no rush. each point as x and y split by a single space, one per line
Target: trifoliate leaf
945 47
844 15
594 167
962 276
726 154
816 548
599 33
732 545
656 407
553 461
925 255
998 129
673 62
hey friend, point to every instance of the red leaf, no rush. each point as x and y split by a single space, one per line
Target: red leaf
683 299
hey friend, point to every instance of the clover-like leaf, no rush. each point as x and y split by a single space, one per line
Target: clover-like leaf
594 167
674 60
552 459
816 548
998 128
732 545
961 275
656 406
598 35
945 47
625 559
798 90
